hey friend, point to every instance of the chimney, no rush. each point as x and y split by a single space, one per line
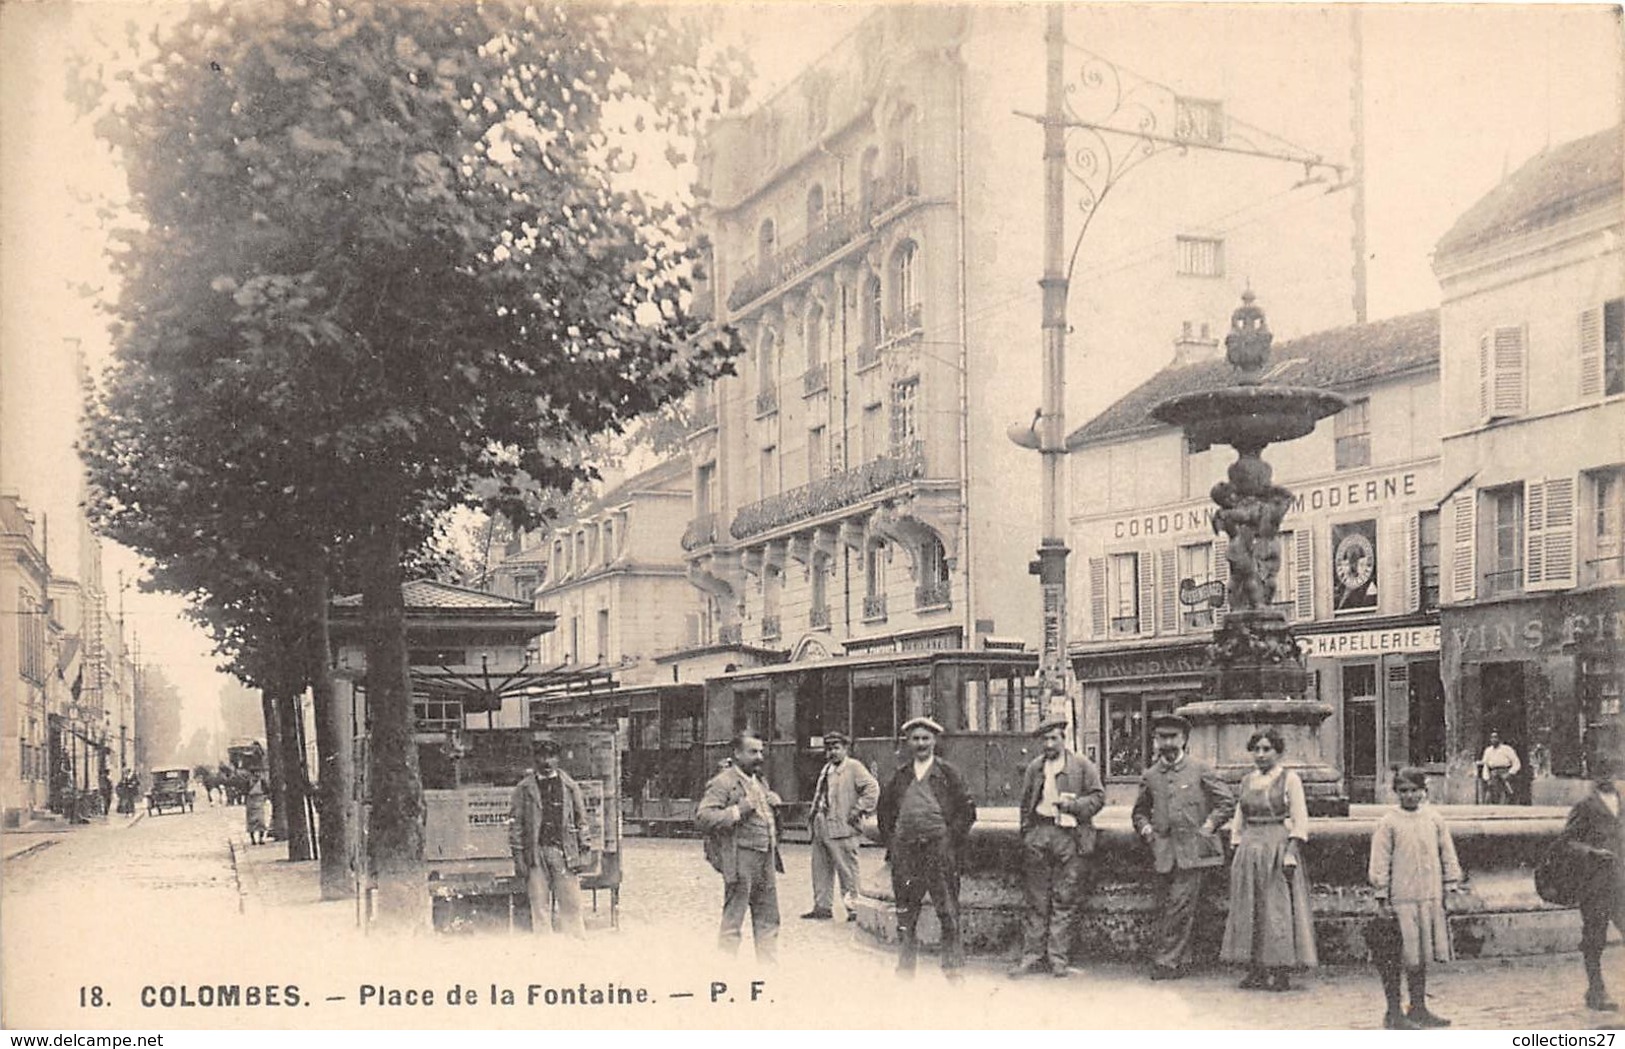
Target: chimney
1195 345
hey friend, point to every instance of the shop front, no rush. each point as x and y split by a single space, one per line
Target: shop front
1545 672
1122 691
1382 682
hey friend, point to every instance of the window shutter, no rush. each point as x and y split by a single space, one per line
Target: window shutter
1534 534
1304 597
1397 714
1221 573
1591 352
1507 393
1143 568
1413 564
1097 596
1558 551
1484 376
1168 565
1463 545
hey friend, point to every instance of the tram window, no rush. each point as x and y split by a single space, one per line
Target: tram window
1000 709
872 715
645 734
917 700
681 733
975 705
750 712
784 712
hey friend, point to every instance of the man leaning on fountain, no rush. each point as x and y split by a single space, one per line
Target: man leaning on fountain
1181 806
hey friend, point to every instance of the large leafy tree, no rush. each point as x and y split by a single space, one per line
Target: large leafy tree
404 244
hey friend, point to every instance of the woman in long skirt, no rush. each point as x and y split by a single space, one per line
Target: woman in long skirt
254 808
1270 928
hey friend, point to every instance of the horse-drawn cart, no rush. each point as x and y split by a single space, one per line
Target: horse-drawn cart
171 789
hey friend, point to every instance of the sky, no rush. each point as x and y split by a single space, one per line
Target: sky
1455 98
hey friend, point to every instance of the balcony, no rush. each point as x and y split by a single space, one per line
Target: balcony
874 608
896 189
731 635
932 596
701 531
818 618
868 355
828 494
1509 581
771 629
762 275
767 402
815 380
905 322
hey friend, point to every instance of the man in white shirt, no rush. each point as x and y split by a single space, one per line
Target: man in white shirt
1496 768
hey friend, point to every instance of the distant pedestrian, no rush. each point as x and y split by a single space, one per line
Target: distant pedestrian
1270 928
1181 805
547 833
1413 865
736 815
104 787
1595 834
845 793
1060 794
925 816
254 810
1496 768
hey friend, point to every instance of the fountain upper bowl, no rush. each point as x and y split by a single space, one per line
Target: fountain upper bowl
1248 416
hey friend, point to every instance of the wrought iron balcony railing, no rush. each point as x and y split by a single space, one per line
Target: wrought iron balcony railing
874 608
932 595
701 531
762 275
905 322
830 493
771 630
818 618
815 379
896 188
868 355
767 402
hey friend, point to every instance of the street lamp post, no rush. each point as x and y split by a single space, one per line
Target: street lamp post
1118 122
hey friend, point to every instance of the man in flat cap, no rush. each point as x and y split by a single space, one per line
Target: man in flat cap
1060 794
1181 806
547 833
925 816
736 815
845 793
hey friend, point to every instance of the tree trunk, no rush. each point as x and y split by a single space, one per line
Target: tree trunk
295 786
334 756
395 791
273 764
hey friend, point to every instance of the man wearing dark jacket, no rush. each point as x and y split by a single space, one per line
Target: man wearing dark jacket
547 833
1060 794
1595 833
1182 805
925 816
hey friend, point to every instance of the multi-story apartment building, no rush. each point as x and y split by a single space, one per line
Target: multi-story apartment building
30 642
1359 567
876 232
1533 418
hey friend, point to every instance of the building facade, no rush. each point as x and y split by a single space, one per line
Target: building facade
1533 418
1359 562
30 642
875 235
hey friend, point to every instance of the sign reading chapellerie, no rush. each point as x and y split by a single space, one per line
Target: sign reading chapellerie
1371 642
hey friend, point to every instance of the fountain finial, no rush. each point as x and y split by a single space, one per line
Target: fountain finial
1247 347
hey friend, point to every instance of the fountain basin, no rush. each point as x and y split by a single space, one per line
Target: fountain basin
1248 416
1498 914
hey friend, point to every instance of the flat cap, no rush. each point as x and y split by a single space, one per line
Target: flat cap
922 722
1049 724
547 746
1171 720
837 737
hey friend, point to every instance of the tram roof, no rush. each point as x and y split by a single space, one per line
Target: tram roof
881 660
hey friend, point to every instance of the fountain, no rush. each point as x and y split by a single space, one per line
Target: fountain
1256 677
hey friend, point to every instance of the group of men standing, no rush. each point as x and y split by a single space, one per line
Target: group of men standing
925 813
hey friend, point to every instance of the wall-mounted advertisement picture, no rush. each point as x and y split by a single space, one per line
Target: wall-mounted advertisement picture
1354 566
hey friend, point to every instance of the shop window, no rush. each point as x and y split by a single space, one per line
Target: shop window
1351 430
1426 720
1605 513
1127 732
1500 540
1123 593
1501 364
1360 730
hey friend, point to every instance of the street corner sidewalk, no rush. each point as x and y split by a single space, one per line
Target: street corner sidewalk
38 834
266 878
